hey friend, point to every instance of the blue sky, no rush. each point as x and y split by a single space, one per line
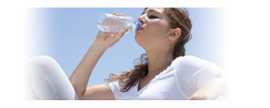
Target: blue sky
66 33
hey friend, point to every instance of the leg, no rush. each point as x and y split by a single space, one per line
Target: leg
47 80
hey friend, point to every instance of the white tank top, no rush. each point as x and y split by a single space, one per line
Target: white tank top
180 80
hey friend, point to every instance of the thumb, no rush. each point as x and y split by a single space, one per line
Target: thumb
122 32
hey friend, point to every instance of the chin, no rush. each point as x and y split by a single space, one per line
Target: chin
138 40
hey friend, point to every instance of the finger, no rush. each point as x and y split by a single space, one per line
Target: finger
115 13
100 33
112 35
122 32
118 14
103 33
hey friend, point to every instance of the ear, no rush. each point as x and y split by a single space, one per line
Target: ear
175 34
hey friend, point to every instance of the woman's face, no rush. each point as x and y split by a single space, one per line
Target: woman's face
154 29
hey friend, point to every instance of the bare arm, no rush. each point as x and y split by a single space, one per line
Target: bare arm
80 76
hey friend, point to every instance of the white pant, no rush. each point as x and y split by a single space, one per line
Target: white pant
46 80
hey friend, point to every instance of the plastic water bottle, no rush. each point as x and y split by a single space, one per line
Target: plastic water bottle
115 23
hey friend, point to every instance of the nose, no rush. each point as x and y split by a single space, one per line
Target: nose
142 18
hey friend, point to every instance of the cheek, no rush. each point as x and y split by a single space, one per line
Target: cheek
158 28
154 31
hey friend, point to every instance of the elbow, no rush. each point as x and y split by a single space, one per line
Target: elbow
78 90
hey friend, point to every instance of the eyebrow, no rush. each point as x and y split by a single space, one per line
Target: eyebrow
150 10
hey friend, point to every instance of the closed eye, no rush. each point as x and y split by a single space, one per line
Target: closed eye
152 17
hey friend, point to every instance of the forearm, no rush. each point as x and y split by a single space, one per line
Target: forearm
81 74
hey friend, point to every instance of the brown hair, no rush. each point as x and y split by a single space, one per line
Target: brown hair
178 17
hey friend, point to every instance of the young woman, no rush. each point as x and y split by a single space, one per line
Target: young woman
164 72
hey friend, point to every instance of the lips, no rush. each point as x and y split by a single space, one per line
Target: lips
139 26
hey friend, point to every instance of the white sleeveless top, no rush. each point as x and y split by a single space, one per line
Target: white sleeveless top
180 80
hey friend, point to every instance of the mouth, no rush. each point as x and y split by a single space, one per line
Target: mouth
139 26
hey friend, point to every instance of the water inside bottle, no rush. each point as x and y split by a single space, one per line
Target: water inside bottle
116 23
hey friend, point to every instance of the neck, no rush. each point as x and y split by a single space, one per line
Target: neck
158 60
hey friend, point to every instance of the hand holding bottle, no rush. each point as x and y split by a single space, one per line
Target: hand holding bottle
111 29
